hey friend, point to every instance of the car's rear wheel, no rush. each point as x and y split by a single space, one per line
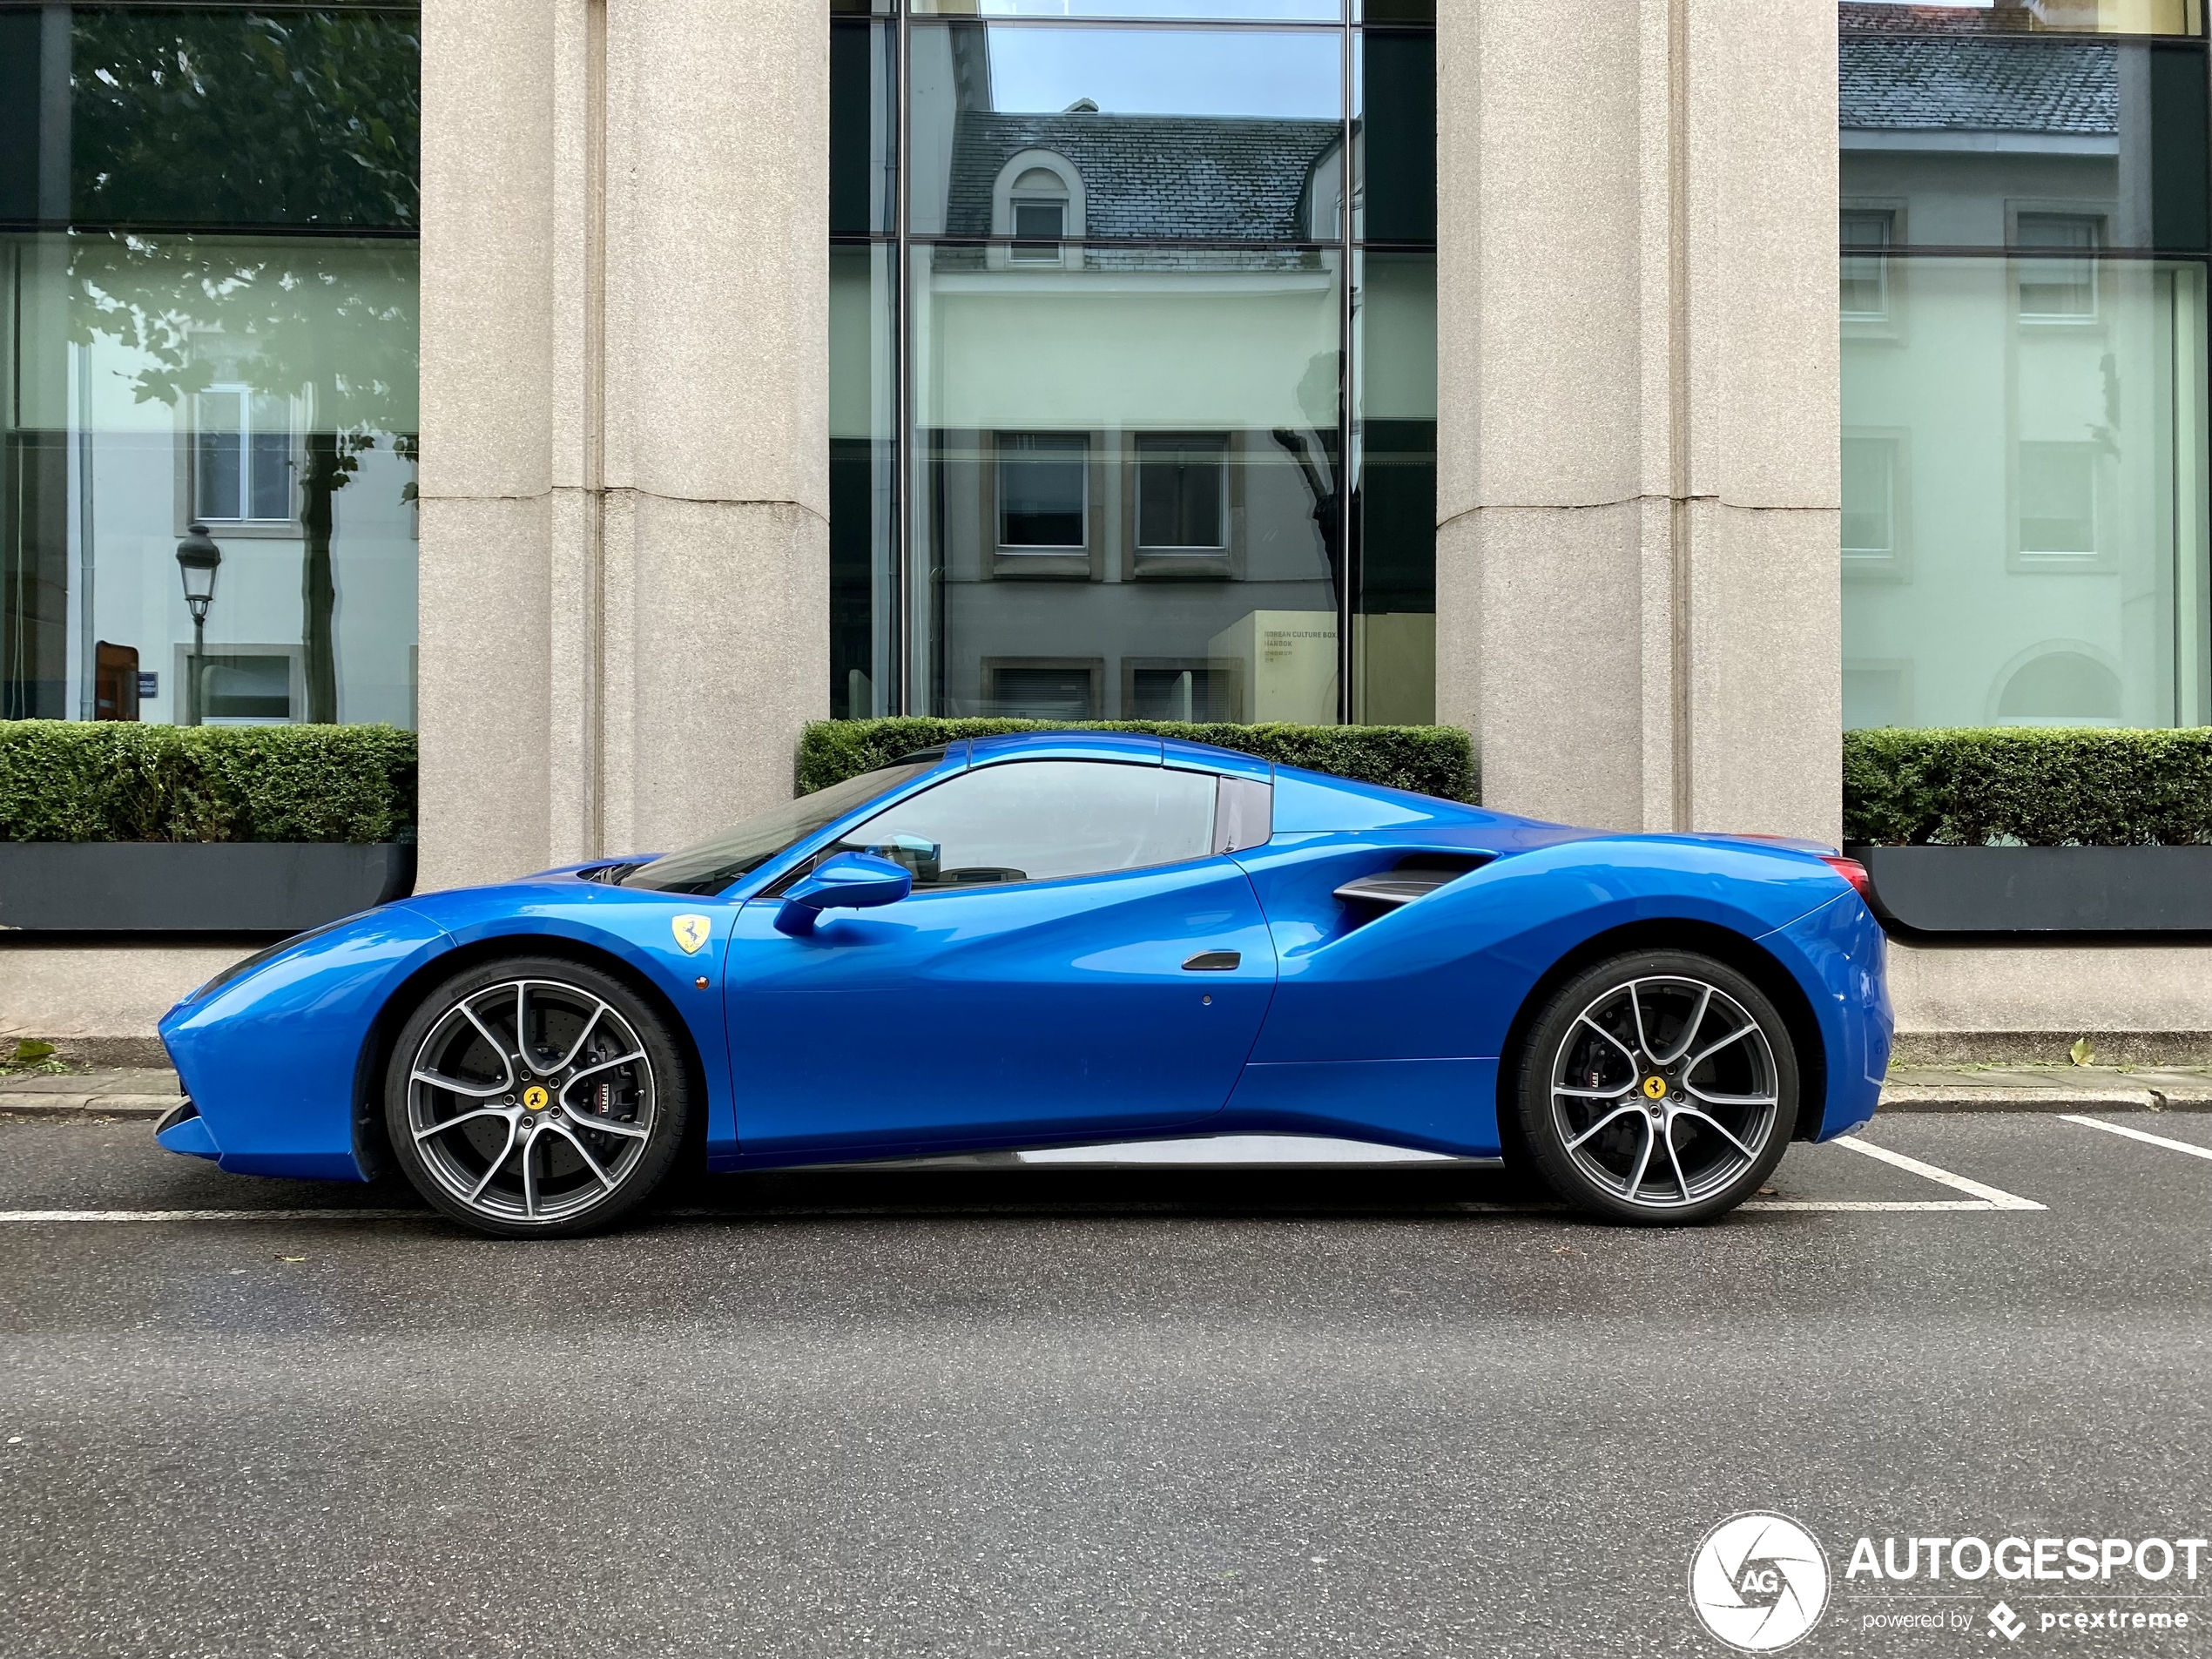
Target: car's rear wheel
532 1097
1659 1087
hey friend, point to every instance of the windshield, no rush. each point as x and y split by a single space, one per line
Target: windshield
713 864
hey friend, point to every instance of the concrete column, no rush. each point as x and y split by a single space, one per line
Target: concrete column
1638 491
625 435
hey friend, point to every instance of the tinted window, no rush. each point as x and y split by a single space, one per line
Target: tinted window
1034 820
713 864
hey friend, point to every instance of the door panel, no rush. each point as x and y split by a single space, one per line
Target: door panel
1000 1014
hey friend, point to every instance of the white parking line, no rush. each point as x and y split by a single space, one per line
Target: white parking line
1981 1196
211 1215
1990 1198
2138 1134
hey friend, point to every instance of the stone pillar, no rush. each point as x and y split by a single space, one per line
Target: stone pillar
1639 479
626 532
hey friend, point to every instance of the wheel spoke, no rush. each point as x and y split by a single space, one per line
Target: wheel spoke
1635 1181
421 1135
1690 1032
521 1021
598 1174
1595 1094
493 1168
1633 1059
506 1060
454 1086
582 1037
1703 1055
1680 1180
1635 1008
1609 1117
605 1065
1727 1100
608 1126
529 1180
1715 1124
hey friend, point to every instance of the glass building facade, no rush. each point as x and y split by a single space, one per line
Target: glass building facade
1133 399
208 269
2023 300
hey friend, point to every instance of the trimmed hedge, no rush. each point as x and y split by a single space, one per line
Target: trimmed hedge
2043 786
1430 760
68 780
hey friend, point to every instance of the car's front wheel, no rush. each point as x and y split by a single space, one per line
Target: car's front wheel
1658 1087
533 1097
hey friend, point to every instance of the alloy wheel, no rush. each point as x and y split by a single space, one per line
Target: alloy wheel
1664 1091
530 1101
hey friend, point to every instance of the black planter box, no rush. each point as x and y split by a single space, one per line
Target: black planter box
195 887
2041 889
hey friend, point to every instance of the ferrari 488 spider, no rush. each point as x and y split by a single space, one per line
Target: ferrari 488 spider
1063 938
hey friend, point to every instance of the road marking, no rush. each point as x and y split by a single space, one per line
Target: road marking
211 1214
2137 1134
1991 1197
1981 1197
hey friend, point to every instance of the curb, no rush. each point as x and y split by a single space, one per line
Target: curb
1926 1097
76 1106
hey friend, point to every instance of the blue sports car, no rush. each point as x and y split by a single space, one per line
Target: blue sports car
1058 938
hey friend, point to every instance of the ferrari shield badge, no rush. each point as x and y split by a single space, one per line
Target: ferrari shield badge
691 932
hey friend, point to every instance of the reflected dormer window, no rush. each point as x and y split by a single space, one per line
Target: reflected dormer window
1037 208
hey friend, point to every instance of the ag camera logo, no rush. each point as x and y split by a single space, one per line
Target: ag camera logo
1758 1582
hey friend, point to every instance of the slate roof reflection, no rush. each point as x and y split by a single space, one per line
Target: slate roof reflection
1164 177
1959 83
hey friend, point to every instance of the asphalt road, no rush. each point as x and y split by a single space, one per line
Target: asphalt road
1046 1412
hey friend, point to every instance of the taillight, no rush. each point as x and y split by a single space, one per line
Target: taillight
1853 872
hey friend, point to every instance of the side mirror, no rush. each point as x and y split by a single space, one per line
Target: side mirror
847 882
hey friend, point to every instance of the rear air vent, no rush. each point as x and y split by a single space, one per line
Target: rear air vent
1414 877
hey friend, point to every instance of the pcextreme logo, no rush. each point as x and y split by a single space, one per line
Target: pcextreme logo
1758 1581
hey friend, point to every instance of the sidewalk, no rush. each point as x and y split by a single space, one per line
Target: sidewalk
148 1092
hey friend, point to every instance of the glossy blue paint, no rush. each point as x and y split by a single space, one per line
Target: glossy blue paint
998 1014
1059 1012
844 881
191 1137
271 1057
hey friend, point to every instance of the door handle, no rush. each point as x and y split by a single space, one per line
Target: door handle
1213 962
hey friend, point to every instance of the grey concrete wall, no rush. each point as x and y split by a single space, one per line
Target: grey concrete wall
625 534
1638 491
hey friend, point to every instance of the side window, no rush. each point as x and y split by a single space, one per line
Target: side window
1034 820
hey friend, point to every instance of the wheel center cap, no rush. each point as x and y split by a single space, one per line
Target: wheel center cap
536 1098
1655 1087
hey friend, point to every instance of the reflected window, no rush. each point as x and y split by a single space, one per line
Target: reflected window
1869 499
1200 691
1043 487
1020 688
1183 494
2058 497
242 458
1040 820
1865 286
244 687
2062 688
2060 285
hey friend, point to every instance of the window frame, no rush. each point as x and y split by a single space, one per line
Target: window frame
1893 564
1224 562
1215 826
193 434
1233 667
1016 560
2021 255
988 670
2070 562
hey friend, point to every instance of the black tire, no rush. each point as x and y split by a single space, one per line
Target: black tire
1639 1089
566 1133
